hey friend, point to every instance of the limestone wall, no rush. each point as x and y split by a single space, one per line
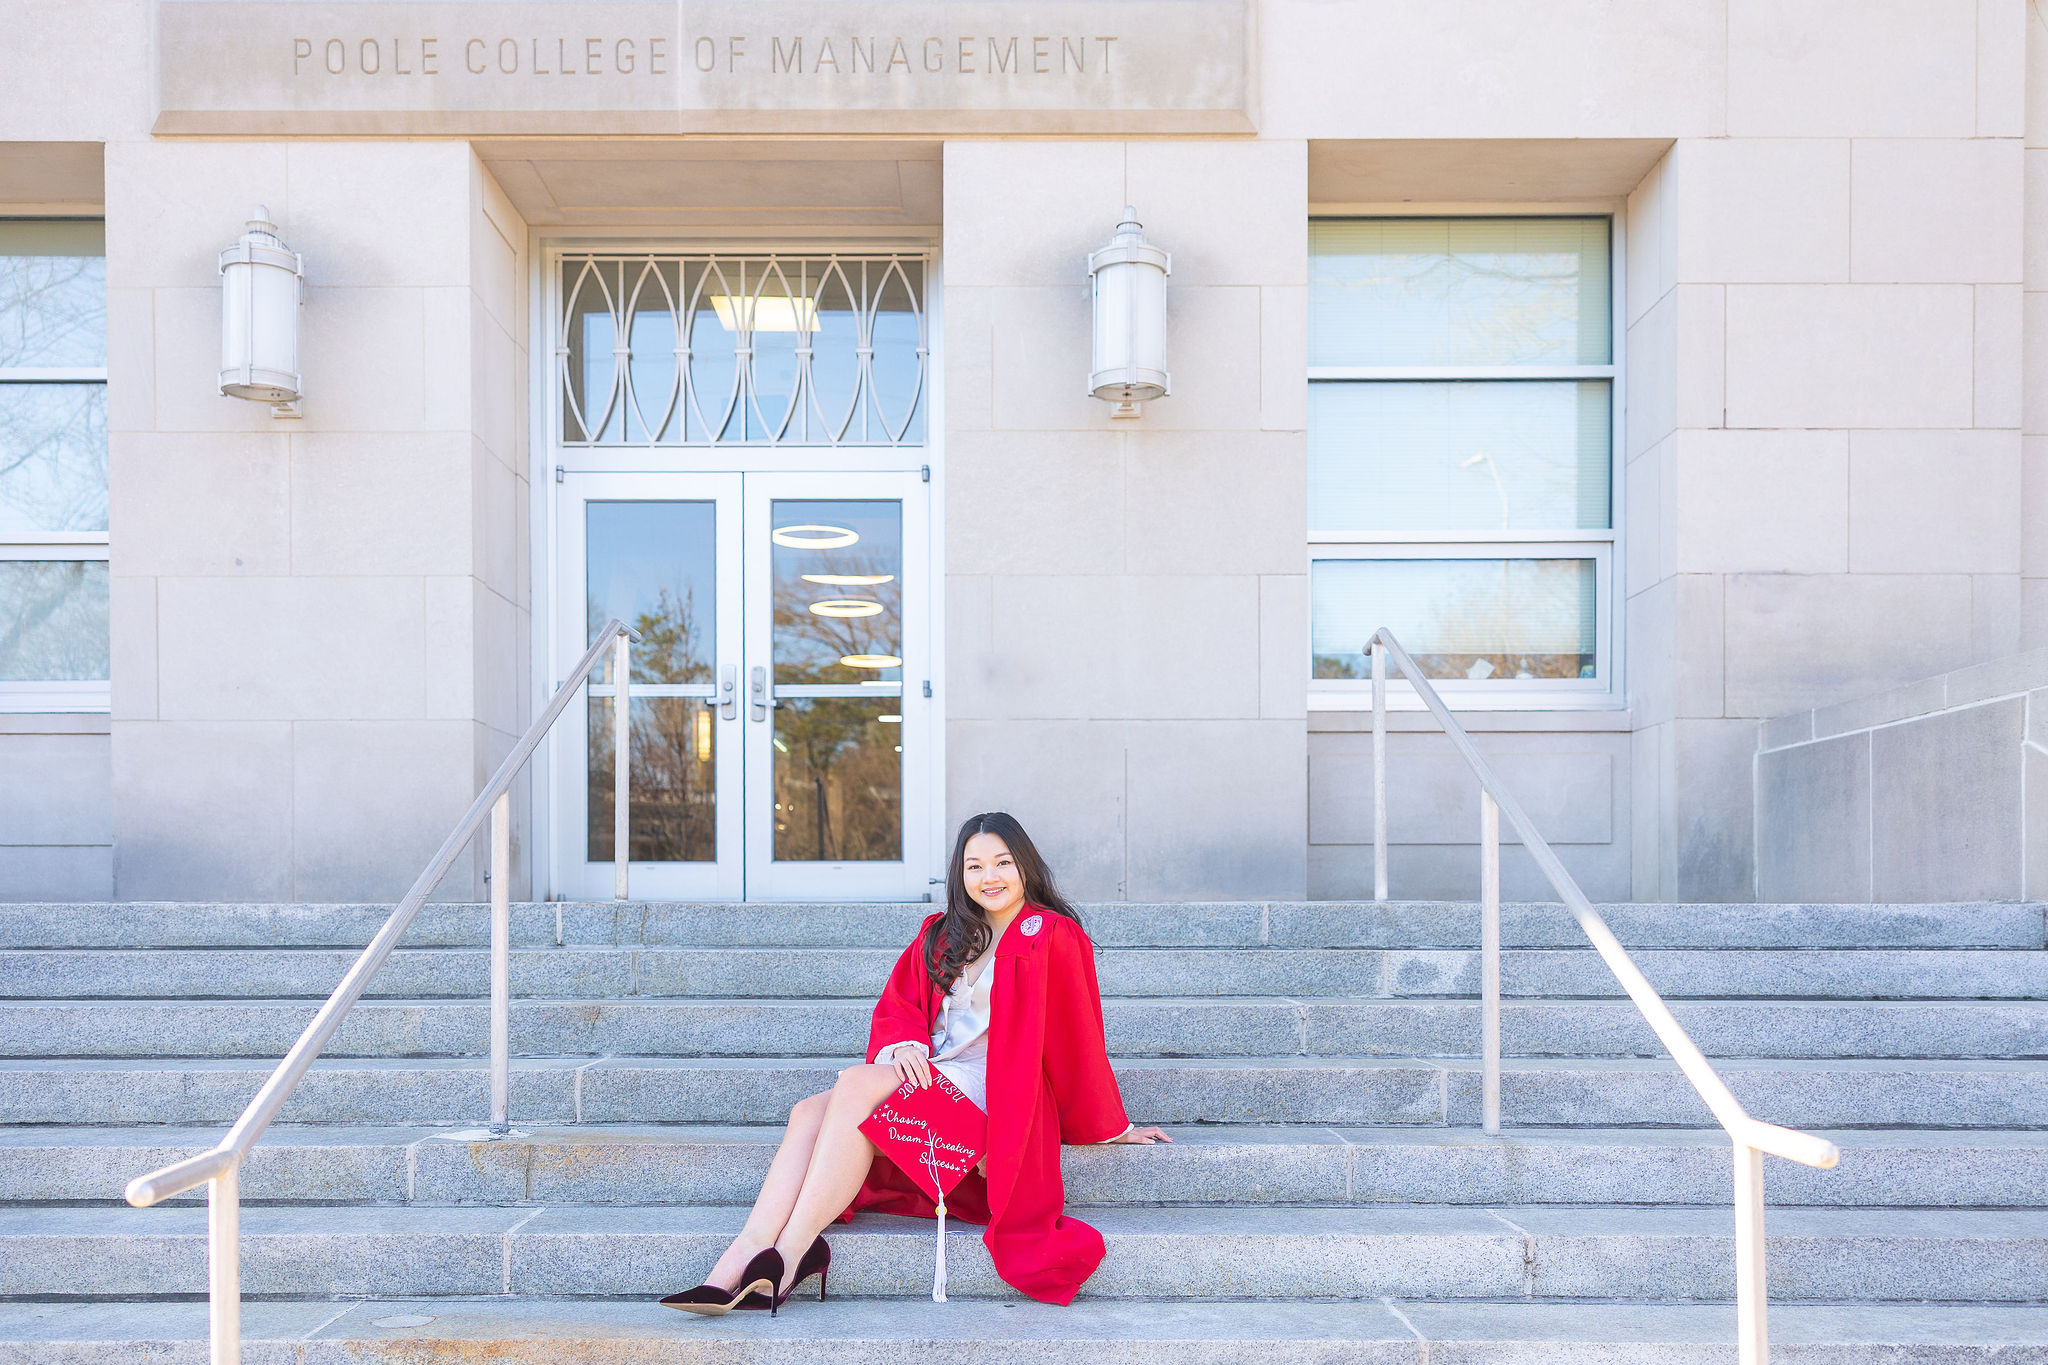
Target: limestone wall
1127 601
1920 793
321 621
1833 475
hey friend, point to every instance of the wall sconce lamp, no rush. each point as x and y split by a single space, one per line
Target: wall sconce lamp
262 288
1127 279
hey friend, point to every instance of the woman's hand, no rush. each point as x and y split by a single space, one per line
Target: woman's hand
1144 1137
911 1065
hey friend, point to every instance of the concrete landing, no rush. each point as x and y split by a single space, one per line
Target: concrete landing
1018 1332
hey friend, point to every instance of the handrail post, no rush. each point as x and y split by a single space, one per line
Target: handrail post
622 761
501 964
1489 961
221 1165
1752 1331
224 1265
1750 1138
1379 770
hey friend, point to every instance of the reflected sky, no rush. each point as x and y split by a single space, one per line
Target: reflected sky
53 620
654 566
53 295
53 458
1459 291
1451 456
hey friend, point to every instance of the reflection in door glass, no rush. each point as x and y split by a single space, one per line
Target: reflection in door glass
653 565
838 779
837 568
838 571
674 781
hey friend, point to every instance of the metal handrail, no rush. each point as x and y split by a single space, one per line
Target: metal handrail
1751 1137
221 1165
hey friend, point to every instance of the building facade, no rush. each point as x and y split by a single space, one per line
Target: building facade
1654 371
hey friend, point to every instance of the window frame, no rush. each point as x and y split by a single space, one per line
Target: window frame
1551 546
1606 690
27 697
683 453
548 460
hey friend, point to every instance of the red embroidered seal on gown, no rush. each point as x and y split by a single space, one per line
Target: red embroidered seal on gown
1049 1082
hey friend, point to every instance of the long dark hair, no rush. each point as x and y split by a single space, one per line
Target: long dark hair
962 934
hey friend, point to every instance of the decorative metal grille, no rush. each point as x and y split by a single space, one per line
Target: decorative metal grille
673 349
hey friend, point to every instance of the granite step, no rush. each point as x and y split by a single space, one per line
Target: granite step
724 1164
1010 1330
1302 924
856 973
1408 1251
1241 1026
1431 1092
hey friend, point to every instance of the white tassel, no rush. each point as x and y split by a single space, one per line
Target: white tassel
939 1273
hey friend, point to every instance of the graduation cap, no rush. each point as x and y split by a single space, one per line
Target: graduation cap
935 1135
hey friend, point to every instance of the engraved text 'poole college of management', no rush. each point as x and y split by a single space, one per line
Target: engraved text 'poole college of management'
1022 55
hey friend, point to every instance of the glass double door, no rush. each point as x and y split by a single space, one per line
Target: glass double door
779 714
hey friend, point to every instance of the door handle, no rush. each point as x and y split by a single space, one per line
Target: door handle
758 693
728 692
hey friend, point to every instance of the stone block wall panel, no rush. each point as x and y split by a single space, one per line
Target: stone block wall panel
1823 854
1574 784
2030 348
334 607
1922 793
1144 600
56 831
1945 802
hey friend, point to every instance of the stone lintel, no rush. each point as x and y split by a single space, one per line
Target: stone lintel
629 68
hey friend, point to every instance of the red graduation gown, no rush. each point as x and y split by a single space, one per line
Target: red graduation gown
1048 1082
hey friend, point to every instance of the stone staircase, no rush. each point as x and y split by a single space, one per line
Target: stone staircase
1329 1196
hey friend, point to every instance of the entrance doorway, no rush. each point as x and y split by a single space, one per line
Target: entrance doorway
780 711
738 460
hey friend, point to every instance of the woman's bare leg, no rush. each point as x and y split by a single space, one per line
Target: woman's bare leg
840 1157
778 1192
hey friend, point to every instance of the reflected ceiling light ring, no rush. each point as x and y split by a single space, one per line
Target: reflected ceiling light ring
870 661
846 607
848 580
813 537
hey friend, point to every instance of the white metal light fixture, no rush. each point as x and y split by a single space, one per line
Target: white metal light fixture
262 286
1128 282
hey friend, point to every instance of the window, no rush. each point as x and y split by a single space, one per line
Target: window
1461 413
53 466
667 349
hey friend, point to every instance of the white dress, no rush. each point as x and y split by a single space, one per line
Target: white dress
959 1049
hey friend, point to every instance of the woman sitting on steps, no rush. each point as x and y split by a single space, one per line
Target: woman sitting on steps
998 993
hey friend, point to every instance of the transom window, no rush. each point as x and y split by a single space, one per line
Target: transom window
679 349
53 466
1460 436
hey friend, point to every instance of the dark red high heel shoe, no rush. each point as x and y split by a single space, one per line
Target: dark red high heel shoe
762 1276
816 1260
